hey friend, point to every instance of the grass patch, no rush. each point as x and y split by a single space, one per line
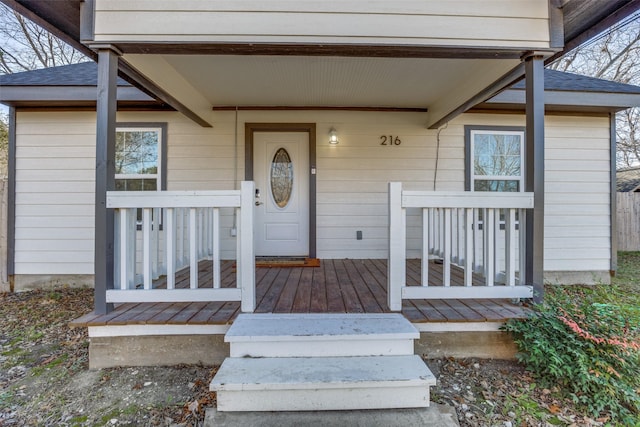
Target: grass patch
78 420
119 412
524 404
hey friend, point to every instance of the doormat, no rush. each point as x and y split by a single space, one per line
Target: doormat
287 262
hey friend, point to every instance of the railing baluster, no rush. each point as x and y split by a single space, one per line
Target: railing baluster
155 247
496 243
193 248
522 236
170 247
478 241
132 245
446 247
441 235
124 249
510 246
489 261
212 233
425 247
215 239
117 267
147 271
468 257
432 232
185 237
457 235
209 222
201 232
179 237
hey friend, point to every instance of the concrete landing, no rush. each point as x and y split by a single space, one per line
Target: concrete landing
321 335
434 416
319 326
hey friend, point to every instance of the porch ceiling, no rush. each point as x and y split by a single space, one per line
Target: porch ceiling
439 85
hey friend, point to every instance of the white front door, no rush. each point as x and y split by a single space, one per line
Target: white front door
281 174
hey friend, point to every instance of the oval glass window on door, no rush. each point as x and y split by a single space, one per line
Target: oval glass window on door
281 177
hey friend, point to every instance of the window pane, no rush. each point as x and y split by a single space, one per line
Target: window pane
281 177
133 184
497 154
149 184
496 185
136 152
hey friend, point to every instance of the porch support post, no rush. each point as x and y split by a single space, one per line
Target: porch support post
11 200
614 199
397 262
534 178
246 271
105 181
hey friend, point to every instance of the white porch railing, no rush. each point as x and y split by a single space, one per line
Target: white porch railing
481 232
178 230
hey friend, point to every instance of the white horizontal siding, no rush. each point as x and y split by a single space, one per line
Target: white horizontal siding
55 196
55 169
496 23
577 185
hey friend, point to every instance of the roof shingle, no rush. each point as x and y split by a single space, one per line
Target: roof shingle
82 74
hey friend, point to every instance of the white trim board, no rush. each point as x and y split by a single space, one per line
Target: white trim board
167 330
155 330
459 326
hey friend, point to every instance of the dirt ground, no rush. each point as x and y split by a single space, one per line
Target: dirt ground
45 380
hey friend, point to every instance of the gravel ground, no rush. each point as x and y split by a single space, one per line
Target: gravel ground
45 380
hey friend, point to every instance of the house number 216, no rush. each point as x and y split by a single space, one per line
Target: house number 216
389 140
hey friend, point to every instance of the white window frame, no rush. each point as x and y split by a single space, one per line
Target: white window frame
161 137
470 164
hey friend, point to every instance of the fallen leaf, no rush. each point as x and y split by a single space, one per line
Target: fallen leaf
194 407
554 409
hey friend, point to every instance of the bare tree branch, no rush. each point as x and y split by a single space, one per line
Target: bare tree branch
615 56
26 46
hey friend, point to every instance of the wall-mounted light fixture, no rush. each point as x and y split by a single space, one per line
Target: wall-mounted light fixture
333 137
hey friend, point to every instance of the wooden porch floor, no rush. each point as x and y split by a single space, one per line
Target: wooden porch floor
336 286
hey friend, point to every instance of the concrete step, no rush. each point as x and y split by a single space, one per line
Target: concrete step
321 335
435 415
322 383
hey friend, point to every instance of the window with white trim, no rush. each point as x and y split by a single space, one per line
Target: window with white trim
495 158
139 157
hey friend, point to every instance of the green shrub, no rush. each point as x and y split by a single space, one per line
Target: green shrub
587 348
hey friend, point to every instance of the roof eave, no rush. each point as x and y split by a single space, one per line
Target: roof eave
606 101
70 95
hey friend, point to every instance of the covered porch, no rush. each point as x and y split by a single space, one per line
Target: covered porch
179 229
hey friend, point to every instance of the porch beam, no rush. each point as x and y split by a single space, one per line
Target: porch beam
506 80
105 177
325 49
534 174
156 77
